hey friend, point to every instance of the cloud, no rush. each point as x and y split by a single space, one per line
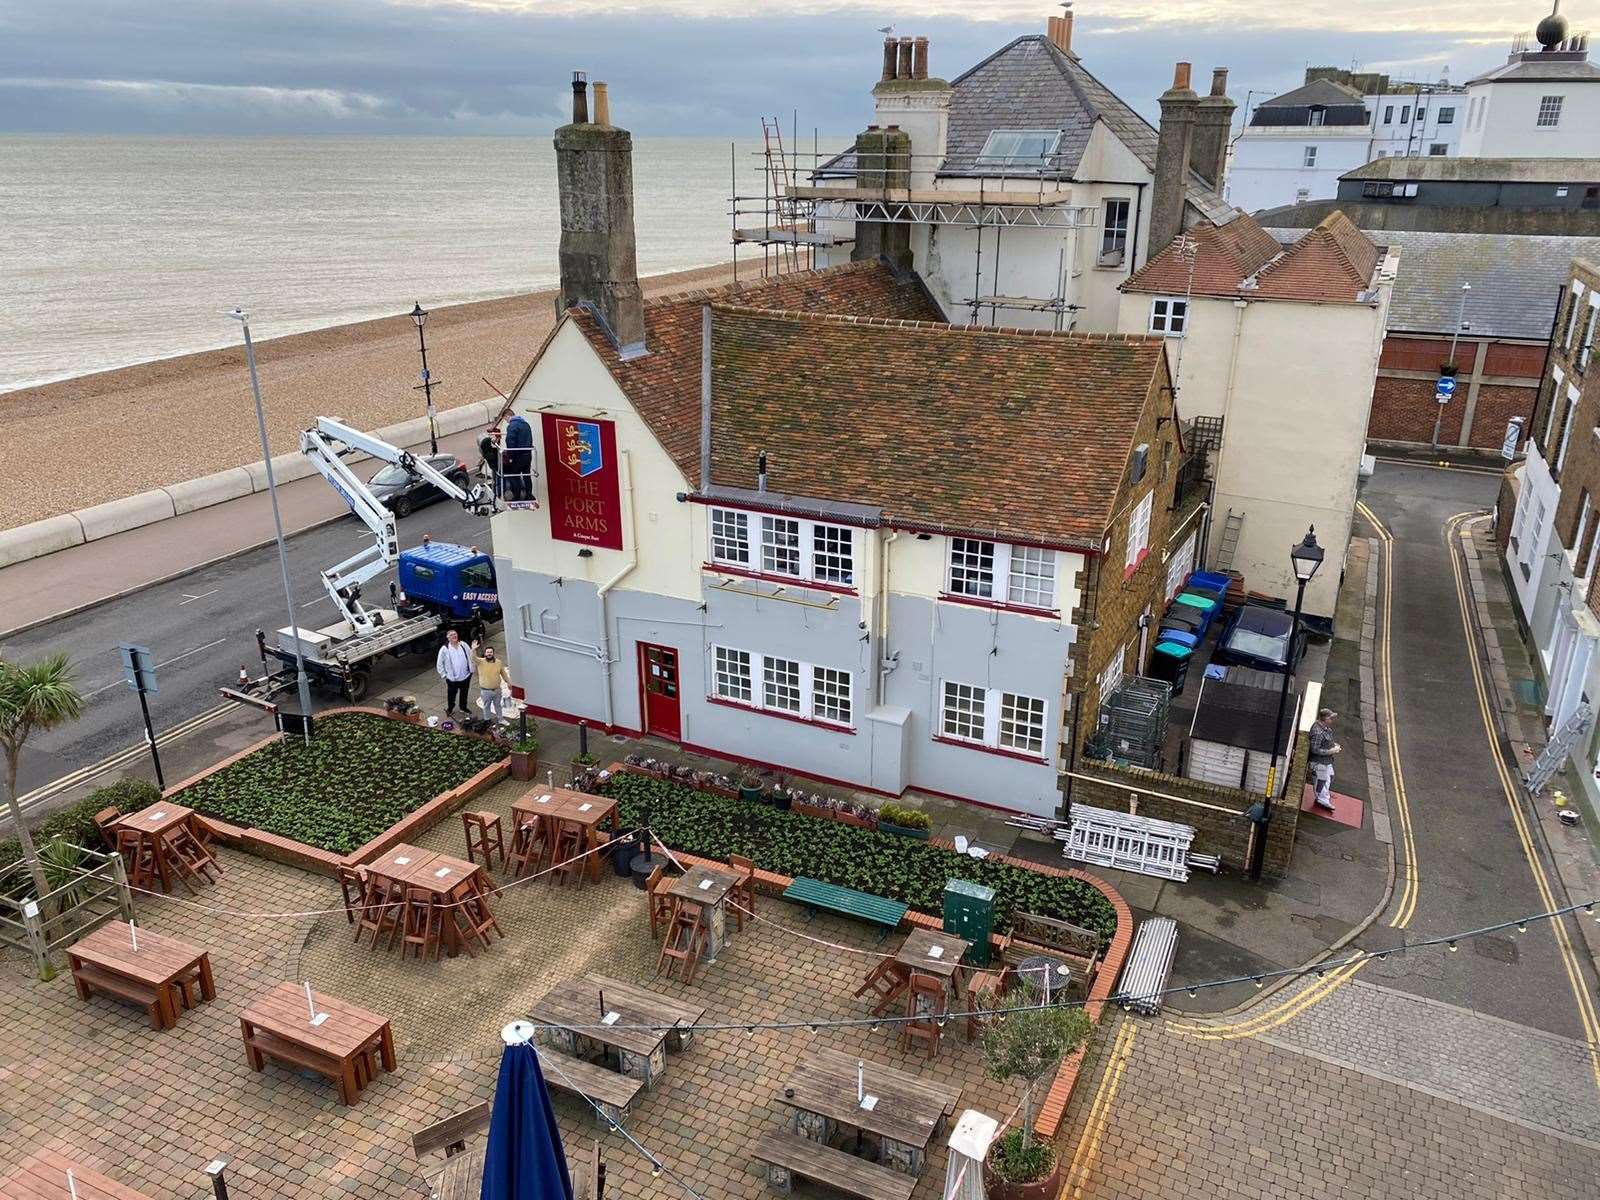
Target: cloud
675 66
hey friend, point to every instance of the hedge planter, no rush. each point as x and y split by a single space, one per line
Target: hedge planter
920 835
524 766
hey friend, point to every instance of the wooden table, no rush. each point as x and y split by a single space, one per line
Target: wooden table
680 1014
157 825
160 963
931 952
707 887
575 1007
447 879
398 863
461 1177
331 1047
563 806
43 1176
908 1114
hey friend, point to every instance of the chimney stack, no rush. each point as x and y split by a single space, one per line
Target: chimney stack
599 264
1059 31
580 98
890 53
1213 123
903 67
919 58
1174 145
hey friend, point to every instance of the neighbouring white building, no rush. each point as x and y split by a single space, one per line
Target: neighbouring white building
1280 343
1542 103
1024 191
1294 147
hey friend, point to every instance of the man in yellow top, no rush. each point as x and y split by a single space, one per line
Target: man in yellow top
492 673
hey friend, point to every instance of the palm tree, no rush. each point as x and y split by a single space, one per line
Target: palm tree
33 696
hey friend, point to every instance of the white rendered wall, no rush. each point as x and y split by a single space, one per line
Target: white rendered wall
1269 170
1506 124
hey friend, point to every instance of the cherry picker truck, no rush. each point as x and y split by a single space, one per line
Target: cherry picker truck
441 586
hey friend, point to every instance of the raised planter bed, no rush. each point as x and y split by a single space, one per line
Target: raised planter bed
368 781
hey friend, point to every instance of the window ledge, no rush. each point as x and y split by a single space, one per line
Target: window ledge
1135 564
786 580
998 751
1003 606
814 722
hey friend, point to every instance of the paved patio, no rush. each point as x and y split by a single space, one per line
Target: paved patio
151 1109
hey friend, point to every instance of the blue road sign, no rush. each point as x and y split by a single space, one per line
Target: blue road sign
1444 388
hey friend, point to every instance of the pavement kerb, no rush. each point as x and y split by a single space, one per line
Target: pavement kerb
1379 802
63 531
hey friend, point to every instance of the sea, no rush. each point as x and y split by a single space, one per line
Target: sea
118 250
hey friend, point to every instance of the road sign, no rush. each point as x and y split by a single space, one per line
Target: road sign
138 667
1508 447
1444 389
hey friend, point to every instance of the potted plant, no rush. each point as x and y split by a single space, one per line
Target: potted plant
583 762
1027 1045
904 822
750 788
525 757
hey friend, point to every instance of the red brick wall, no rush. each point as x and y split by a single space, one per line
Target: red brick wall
1403 410
1497 404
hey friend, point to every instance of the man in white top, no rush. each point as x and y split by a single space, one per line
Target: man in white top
455 668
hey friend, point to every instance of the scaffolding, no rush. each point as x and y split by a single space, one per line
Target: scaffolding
792 221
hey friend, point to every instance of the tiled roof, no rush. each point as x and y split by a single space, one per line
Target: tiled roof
1319 91
1449 169
1331 263
1017 434
664 384
1535 67
1030 84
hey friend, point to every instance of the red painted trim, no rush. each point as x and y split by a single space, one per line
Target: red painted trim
717 568
1002 606
831 726
995 750
766 765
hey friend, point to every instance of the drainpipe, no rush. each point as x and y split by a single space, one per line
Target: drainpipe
881 650
631 551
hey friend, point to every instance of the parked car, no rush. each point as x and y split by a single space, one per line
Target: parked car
400 491
1257 636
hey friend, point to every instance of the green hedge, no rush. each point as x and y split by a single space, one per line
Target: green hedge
360 775
789 843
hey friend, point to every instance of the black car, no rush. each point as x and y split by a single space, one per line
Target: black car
1258 636
400 491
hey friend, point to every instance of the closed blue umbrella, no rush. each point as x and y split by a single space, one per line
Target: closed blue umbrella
524 1159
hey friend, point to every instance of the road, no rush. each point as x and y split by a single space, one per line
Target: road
201 628
1472 868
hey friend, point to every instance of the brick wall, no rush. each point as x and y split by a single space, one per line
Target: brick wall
1403 407
1217 813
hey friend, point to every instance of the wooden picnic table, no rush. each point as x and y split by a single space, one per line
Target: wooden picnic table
575 1006
279 1025
162 825
707 887
460 1178
908 1113
161 964
43 1176
681 1014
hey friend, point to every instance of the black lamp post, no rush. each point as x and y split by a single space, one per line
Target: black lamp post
1305 558
419 315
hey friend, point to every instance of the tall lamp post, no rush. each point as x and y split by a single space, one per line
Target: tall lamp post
1305 558
419 315
243 318
1449 367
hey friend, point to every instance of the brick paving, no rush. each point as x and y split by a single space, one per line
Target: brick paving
1248 1118
152 1108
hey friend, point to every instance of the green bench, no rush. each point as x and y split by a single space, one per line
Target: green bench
864 906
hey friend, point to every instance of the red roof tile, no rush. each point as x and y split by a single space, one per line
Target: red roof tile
664 385
1332 263
1024 435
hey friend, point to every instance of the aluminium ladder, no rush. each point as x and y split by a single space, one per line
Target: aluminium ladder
1229 542
1556 750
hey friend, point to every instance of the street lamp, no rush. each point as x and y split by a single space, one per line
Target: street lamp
1305 558
1450 364
243 318
419 315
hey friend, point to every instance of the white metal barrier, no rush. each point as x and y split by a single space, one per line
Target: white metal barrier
1105 838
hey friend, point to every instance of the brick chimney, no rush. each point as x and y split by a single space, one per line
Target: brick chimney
883 163
1213 123
1059 31
1174 145
909 99
599 264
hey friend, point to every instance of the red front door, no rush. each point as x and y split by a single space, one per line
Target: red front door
658 671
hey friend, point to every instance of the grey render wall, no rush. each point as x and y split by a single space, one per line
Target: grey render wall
890 749
1474 194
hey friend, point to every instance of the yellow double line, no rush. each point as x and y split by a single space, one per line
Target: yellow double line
1094 1129
121 758
1276 1015
1511 789
1406 903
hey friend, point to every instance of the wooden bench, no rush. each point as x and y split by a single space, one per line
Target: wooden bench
787 1155
90 979
612 1092
461 1176
864 906
1034 934
263 1044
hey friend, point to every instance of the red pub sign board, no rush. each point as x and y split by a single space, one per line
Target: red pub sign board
585 499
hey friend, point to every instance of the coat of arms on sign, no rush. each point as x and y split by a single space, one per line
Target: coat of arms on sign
580 447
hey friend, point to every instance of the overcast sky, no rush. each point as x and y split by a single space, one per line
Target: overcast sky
674 66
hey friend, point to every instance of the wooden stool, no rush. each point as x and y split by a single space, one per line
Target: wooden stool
139 856
353 887
384 911
886 981
104 821
686 937
528 846
983 993
660 905
483 837
569 845
423 924
925 1004
742 899
474 918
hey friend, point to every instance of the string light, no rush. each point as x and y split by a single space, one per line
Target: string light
1453 946
1193 992
1258 981
1522 927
